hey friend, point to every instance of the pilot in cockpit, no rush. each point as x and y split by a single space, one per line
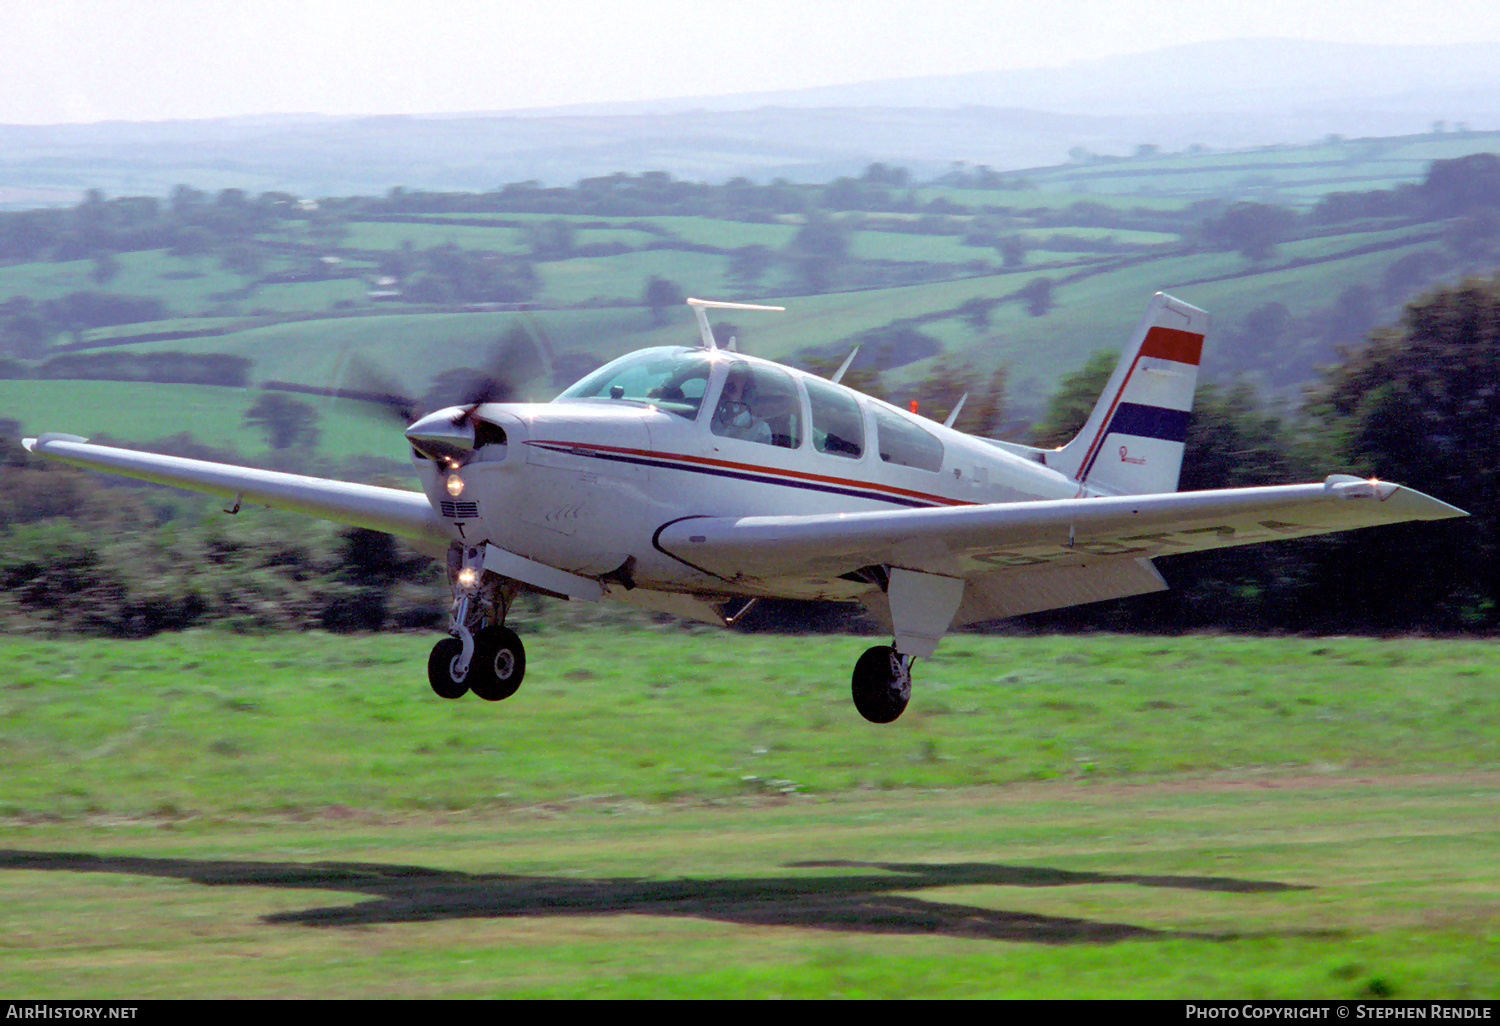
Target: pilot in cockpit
735 416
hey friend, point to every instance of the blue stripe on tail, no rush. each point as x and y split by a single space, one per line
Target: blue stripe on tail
1150 422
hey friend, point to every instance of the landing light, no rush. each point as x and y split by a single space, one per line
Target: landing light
454 485
467 576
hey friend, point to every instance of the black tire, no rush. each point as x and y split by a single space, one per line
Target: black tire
878 695
440 669
499 664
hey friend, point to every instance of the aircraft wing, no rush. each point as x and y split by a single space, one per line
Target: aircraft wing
1059 538
391 510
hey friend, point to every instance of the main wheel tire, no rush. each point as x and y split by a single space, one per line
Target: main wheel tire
499 664
880 693
440 669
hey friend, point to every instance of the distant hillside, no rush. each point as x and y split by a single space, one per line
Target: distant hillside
1296 252
1215 95
1266 77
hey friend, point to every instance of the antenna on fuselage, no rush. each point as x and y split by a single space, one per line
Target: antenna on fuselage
845 365
701 308
954 415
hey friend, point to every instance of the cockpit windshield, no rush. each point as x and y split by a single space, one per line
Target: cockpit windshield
673 380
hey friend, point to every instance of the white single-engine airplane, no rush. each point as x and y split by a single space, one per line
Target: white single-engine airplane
695 480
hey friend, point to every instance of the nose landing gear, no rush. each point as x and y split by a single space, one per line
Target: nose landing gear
483 656
442 669
499 663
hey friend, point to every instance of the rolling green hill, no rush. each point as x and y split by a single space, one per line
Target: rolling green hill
417 283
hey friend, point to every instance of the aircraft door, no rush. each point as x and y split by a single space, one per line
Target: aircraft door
758 404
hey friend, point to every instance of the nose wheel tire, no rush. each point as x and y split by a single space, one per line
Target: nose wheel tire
499 664
882 684
440 669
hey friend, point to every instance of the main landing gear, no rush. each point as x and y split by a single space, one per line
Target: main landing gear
922 607
882 684
483 656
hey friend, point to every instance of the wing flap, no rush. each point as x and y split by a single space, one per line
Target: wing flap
1007 593
1053 534
391 510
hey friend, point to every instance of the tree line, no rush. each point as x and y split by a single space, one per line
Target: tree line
192 222
163 366
1418 403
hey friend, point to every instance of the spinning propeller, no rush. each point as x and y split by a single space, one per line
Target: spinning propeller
522 354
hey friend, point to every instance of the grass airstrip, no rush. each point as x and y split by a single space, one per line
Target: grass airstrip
672 812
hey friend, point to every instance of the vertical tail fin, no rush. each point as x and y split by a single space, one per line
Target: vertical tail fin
1132 443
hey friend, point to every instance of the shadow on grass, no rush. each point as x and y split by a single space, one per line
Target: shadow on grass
853 902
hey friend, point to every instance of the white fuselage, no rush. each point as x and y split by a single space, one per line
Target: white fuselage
585 484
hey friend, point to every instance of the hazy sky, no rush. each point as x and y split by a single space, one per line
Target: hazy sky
92 60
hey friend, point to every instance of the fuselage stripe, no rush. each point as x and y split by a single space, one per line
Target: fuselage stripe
753 472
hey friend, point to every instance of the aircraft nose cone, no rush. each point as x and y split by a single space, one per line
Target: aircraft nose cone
446 436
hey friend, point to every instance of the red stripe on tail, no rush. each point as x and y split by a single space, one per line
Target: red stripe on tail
1173 344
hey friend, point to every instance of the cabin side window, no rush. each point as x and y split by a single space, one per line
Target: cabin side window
906 443
838 425
759 404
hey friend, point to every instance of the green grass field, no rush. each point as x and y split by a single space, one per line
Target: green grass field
670 812
1294 175
625 276
144 411
383 235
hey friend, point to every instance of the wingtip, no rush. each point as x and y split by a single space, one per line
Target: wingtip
1414 505
1421 506
33 444
1446 511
